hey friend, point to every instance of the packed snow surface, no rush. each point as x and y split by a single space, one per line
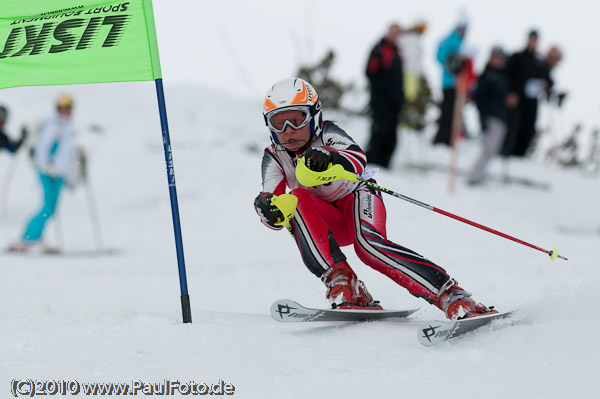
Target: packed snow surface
117 317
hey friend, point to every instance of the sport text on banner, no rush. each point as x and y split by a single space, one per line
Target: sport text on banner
57 42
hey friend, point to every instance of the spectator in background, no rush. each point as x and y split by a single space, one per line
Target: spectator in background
529 79
552 59
448 50
385 74
490 98
411 48
5 141
54 154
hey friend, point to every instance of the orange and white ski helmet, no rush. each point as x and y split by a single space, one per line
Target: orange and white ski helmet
293 93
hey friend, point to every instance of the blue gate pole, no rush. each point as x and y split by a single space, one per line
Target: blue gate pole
185 298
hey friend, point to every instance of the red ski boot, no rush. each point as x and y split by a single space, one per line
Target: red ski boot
457 303
345 290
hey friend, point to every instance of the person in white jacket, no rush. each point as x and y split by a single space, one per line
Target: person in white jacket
54 154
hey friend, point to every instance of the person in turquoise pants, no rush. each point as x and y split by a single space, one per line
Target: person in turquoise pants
54 154
35 228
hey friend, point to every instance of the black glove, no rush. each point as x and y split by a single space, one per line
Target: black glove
317 159
268 213
560 98
455 63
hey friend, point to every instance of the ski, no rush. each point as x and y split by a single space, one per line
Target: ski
51 252
84 253
426 167
288 311
434 332
579 231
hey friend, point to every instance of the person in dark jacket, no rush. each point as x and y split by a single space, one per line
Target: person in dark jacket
528 79
5 141
385 73
490 98
448 57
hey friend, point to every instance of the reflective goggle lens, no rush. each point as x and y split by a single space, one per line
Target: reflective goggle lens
296 118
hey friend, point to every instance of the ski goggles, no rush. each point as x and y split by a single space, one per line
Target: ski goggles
277 122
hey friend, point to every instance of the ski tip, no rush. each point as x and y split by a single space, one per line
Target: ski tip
281 309
434 332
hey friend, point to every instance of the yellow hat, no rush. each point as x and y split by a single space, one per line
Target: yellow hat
419 27
65 101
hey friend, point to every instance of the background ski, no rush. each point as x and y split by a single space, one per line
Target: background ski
578 230
288 311
426 167
434 332
73 253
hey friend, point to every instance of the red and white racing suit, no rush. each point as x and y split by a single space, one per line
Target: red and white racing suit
342 213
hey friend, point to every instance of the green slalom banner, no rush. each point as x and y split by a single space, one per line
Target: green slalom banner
57 42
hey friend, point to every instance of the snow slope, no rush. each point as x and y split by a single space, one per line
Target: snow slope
117 318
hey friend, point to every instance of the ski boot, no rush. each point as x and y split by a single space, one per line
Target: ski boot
36 247
457 303
18 247
345 290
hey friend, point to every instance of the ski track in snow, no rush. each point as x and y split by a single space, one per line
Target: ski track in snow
117 318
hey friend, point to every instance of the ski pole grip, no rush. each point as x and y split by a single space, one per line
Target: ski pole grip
310 178
287 204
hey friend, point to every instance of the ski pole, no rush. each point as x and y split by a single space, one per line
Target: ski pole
310 178
58 231
8 177
91 200
95 220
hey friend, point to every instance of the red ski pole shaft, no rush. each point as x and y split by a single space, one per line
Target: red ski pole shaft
552 253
